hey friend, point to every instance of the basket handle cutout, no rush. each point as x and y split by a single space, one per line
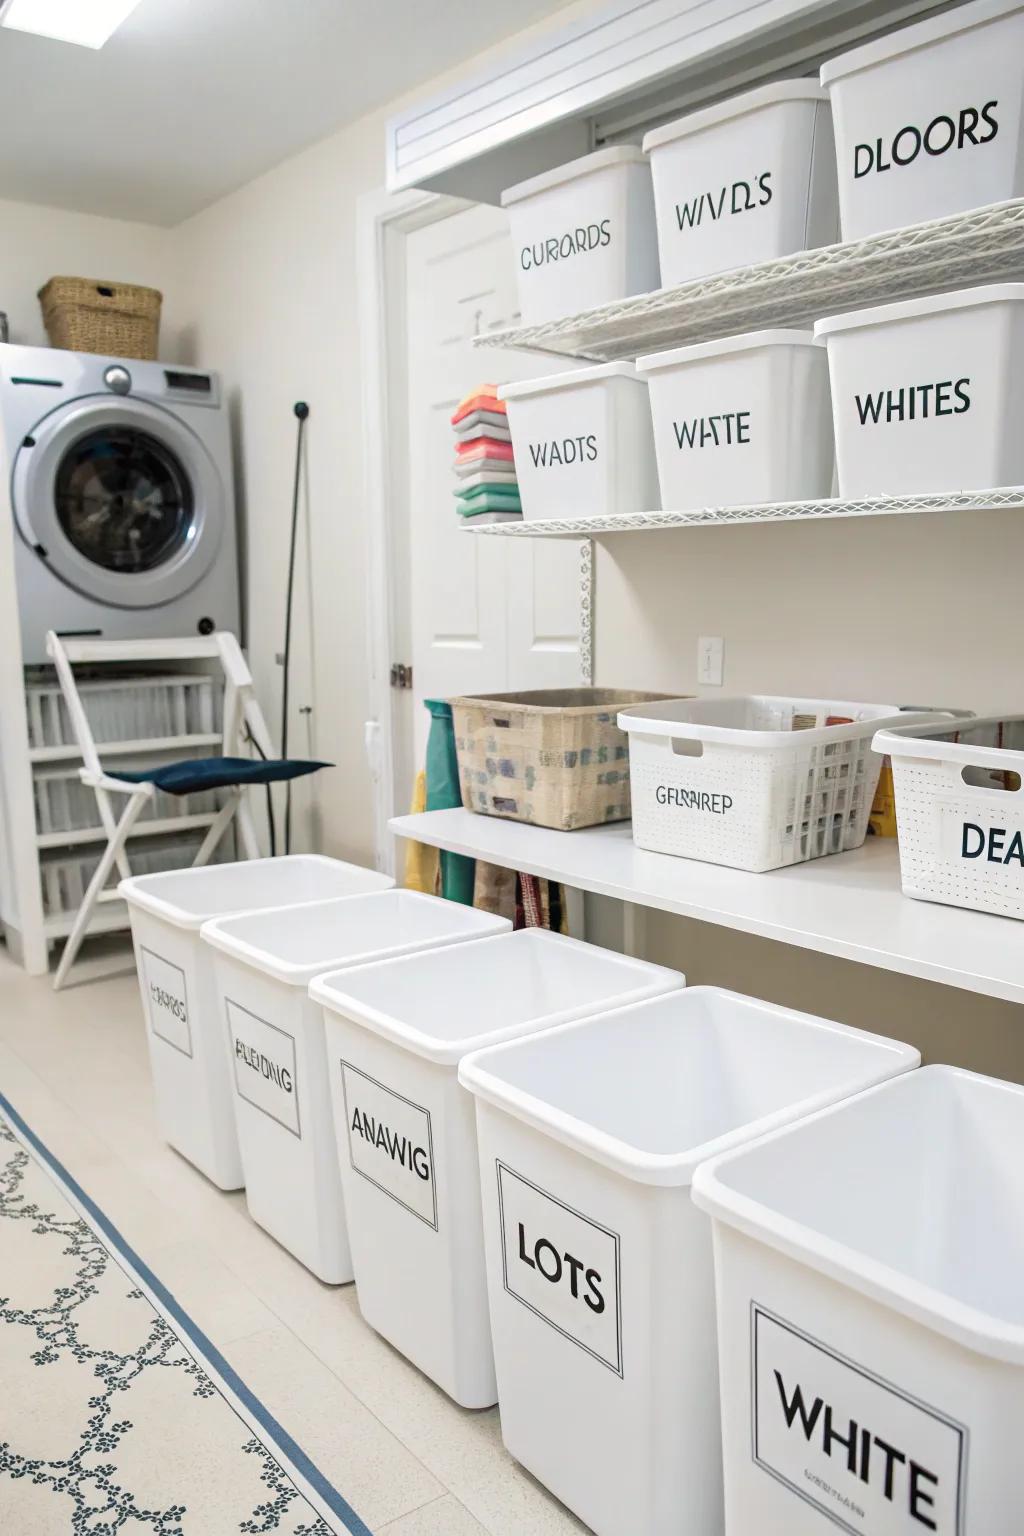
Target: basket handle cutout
501 722
1004 780
104 293
685 746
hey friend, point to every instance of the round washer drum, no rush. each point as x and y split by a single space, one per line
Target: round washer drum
121 500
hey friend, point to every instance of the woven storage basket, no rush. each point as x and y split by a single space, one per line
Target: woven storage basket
554 758
83 314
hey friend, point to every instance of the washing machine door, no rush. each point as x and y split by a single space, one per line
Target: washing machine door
121 500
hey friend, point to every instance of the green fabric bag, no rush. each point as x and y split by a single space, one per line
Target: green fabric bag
458 874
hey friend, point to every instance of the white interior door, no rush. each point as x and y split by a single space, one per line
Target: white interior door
487 615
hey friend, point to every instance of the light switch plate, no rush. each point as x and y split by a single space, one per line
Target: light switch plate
711 660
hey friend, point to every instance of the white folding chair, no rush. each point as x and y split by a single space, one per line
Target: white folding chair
243 723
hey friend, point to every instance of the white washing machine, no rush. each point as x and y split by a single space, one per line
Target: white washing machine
122 497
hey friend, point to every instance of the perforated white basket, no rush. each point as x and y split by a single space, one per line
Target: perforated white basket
960 811
754 782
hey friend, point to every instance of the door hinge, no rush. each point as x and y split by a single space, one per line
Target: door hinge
401 675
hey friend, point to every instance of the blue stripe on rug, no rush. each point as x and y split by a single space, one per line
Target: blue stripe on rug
275 1432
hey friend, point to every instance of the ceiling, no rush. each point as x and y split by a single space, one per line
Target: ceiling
192 98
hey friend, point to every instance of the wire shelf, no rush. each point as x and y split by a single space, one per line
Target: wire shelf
1010 497
982 246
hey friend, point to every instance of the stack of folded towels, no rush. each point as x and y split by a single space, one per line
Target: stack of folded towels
484 463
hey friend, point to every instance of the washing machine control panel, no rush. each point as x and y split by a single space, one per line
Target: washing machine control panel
118 379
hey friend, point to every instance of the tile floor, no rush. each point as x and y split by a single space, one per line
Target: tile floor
410 1462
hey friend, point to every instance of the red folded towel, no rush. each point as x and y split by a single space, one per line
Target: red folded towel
483 448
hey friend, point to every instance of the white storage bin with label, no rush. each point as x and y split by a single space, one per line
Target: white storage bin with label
746 180
928 395
583 234
189 1052
583 443
871 1314
928 120
599 1266
406 1132
741 419
754 782
263 964
960 811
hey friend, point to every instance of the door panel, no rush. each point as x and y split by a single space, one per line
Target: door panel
543 613
488 615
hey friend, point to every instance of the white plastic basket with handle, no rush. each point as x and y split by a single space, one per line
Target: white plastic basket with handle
960 811
753 781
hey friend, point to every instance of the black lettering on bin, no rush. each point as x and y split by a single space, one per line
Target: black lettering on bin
343 1064
236 1056
796 1406
595 1299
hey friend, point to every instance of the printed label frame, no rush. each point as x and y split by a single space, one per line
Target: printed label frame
617 1369
961 1430
348 1066
190 1053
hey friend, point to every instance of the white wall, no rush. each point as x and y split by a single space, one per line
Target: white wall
269 280
37 243
913 609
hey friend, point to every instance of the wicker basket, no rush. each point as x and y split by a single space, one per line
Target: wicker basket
555 758
83 314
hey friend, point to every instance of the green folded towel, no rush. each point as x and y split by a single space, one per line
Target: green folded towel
487 501
492 488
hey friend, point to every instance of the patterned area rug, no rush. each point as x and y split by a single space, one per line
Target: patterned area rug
117 1414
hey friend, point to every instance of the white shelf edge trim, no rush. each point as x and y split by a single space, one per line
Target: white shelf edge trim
1006 497
961 251
847 905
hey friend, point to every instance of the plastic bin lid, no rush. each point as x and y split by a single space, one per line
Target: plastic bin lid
909 309
444 1003
600 160
524 387
906 39
295 943
734 106
723 346
186 898
911 1193
653 1089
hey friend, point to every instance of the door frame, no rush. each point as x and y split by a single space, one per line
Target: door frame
384 222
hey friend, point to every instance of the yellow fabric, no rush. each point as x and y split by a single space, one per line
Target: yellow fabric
422 864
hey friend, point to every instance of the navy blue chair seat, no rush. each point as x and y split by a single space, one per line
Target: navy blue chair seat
199 773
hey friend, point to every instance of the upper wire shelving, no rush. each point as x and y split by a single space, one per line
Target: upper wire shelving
983 246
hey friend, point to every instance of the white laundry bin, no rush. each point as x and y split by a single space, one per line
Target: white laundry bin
188 1045
583 442
927 395
928 119
869 1267
747 180
599 1267
583 234
406 1133
263 964
741 419
959 791
756 782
